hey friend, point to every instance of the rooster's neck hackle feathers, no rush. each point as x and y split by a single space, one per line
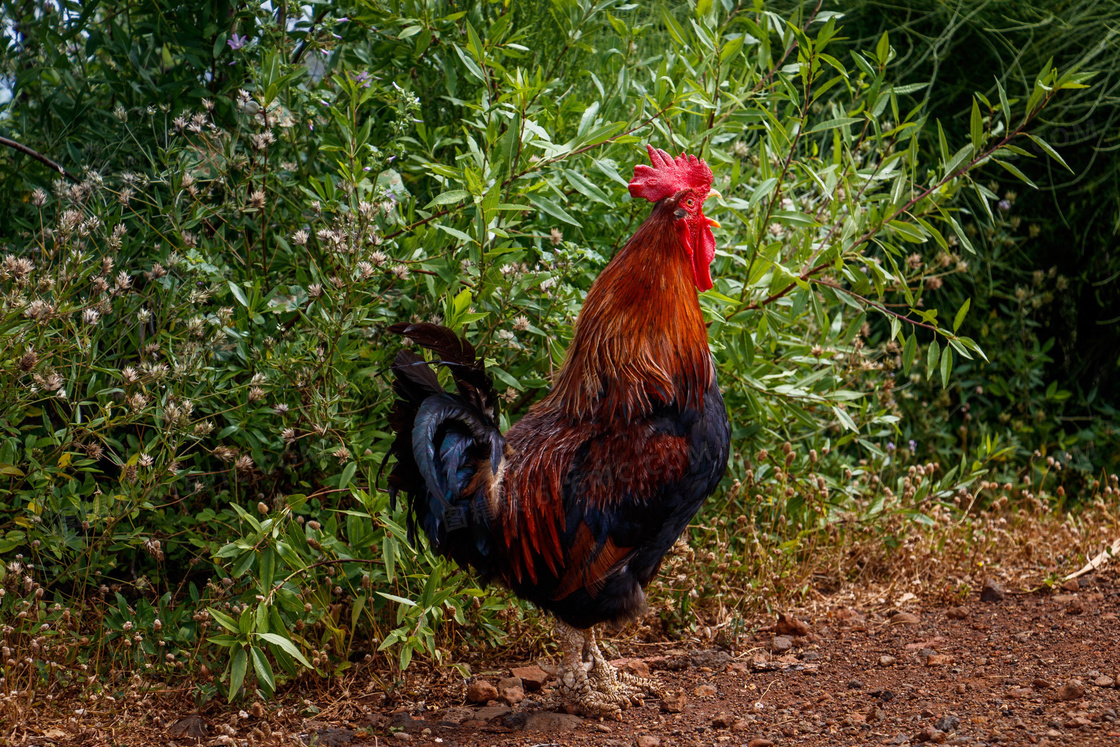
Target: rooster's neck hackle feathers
640 340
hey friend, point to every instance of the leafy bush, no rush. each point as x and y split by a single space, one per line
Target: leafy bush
195 318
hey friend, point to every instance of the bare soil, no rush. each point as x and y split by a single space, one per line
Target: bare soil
1028 668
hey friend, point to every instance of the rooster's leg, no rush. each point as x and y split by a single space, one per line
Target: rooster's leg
575 686
619 687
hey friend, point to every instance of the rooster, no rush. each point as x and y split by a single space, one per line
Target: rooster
575 507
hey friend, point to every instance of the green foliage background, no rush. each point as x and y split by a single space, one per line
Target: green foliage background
194 313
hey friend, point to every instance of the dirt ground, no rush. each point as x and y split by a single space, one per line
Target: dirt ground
1003 667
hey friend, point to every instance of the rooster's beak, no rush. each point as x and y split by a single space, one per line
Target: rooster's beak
712 222
713 192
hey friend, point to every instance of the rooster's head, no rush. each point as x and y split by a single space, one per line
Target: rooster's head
685 182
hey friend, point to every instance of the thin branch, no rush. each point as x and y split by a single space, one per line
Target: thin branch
38 157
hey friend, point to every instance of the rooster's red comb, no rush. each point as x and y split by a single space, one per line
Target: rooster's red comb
669 175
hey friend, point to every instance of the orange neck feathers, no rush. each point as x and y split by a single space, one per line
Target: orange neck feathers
640 340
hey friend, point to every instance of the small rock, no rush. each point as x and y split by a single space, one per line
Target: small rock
740 725
548 721
780 644
510 691
904 618
402 736
723 720
855 685
1104 681
760 742
809 656
849 616
886 660
713 659
791 626
603 729
961 688
1071 585
489 713
532 677
481 691
647 740
706 691
1078 722
992 592
636 667
938 660
674 702
947 723
1072 690
957 613
1039 683
930 734
1075 607
900 739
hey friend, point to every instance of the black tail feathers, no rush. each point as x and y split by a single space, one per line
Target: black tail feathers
447 446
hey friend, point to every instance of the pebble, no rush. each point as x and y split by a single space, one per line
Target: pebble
1104 681
548 721
1075 607
713 659
930 734
947 723
887 660
706 691
647 740
510 691
481 691
904 618
723 720
791 626
402 736
1040 683
636 667
957 613
760 742
992 592
674 702
532 677
1072 690
780 644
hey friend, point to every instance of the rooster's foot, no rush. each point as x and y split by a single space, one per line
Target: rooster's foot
620 687
578 691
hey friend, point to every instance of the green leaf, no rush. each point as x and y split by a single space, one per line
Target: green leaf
883 49
946 366
909 350
548 206
239 294
976 125
588 118
829 124
237 672
731 48
347 474
932 356
286 646
1049 150
762 190
960 314
845 419
263 670
448 198
1015 171
961 235
958 158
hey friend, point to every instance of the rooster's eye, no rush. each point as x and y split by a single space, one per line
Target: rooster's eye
690 202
